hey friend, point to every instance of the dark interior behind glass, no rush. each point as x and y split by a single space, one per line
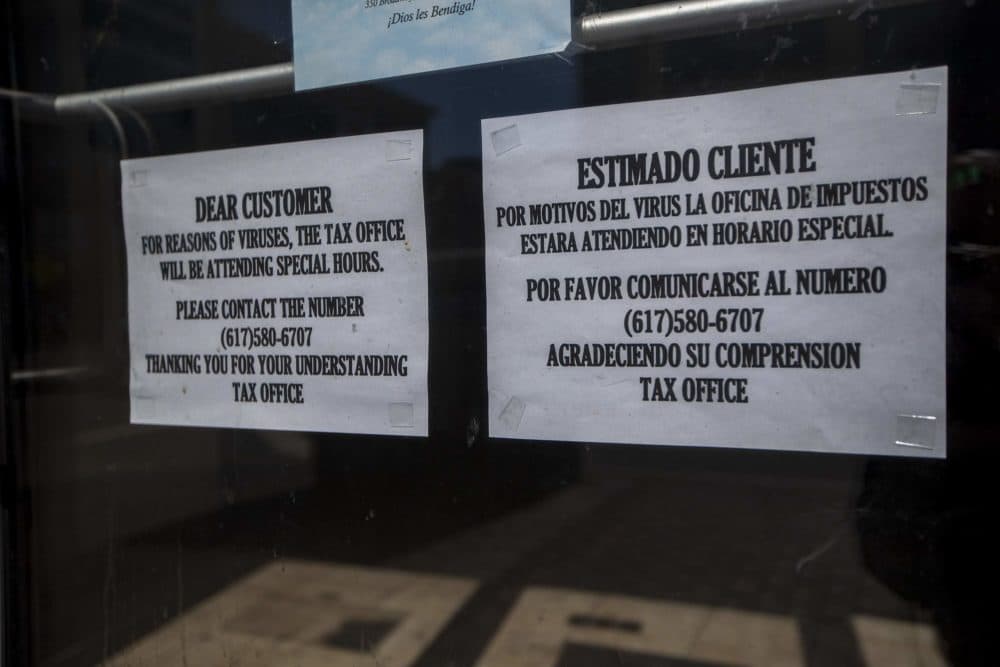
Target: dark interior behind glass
112 531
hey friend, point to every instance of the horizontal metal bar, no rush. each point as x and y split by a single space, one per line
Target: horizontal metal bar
695 18
659 21
49 374
189 91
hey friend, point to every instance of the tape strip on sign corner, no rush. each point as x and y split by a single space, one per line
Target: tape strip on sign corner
512 413
917 99
918 431
401 415
138 178
505 139
397 151
143 407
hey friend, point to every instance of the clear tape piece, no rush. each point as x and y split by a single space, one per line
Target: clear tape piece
397 150
512 414
915 99
918 431
143 407
401 415
138 178
505 139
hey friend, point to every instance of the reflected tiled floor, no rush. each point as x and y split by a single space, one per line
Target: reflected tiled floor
756 574
535 631
890 643
306 614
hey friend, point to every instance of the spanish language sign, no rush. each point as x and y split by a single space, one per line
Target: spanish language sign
345 41
759 269
280 287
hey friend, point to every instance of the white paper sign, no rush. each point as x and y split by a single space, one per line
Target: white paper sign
344 41
280 287
760 269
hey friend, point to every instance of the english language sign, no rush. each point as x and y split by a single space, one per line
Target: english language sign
280 287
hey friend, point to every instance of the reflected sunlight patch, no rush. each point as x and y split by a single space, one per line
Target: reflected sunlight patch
891 643
545 621
301 613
